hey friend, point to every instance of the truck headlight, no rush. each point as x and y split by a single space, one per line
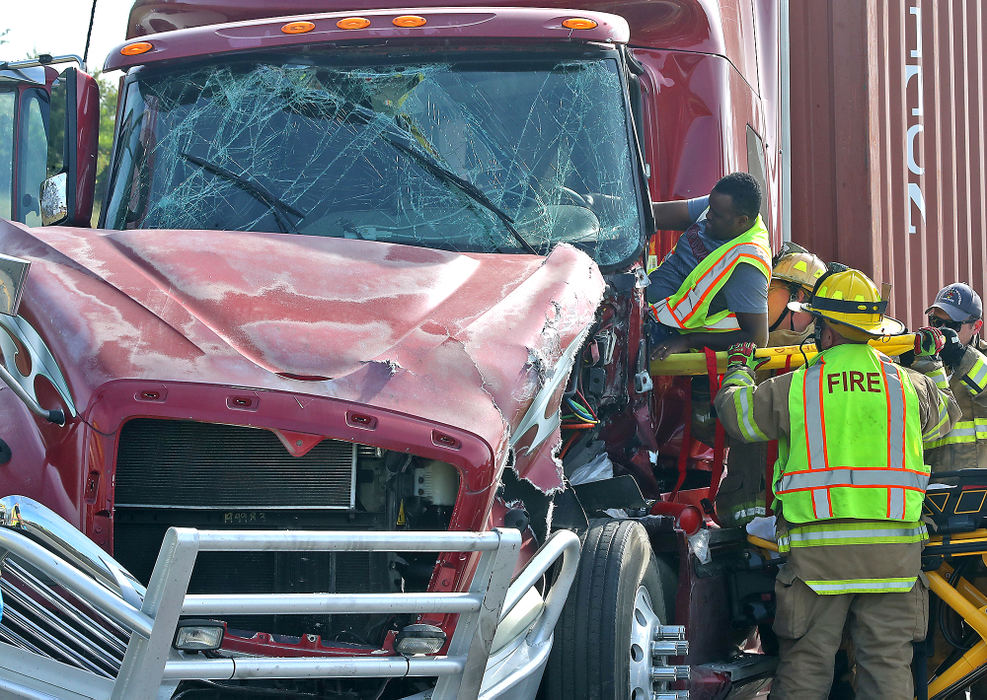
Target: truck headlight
199 635
419 639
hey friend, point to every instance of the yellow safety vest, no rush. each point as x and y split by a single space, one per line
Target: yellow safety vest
855 447
852 471
688 309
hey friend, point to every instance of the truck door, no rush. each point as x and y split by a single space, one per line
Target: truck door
25 99
49 127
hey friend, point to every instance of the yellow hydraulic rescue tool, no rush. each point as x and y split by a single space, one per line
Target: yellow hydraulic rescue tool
787 357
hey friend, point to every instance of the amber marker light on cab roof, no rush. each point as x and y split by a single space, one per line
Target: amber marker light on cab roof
353 23
409 21
298 27
579 23
137 48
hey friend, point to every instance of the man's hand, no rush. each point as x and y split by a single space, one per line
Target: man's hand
670 346
952 350
928 341
742 355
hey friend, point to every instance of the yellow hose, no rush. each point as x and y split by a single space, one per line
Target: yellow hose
695 362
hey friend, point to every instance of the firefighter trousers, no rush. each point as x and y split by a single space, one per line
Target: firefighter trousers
882 627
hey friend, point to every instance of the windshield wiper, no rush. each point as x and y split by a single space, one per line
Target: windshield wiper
277 206
467 187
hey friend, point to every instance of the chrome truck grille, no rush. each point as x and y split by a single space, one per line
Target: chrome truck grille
41 617
210 476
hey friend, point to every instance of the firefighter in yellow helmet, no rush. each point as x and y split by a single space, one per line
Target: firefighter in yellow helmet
849 485
793 276
740 497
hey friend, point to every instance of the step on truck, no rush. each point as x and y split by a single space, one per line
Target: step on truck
347 390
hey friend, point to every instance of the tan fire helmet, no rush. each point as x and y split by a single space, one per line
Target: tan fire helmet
795 264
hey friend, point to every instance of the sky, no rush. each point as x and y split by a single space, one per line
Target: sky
59 27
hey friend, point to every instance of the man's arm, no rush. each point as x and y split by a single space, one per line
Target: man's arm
672 215
753 329
970 367
939 409
753 413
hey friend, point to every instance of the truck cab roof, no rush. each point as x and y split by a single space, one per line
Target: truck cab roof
463 23
684 24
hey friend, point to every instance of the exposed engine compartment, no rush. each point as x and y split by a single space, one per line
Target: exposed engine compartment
190 474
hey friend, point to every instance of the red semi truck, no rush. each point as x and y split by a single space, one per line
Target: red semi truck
367 287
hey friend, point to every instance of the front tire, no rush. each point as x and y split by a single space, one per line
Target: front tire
602 646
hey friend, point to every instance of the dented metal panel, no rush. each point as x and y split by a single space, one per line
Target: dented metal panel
465 340
888 145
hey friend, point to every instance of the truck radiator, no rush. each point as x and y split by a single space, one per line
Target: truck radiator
164 463
203 475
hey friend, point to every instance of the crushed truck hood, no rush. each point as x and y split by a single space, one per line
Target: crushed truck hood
462 339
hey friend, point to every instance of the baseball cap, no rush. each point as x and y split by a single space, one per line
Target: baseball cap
959 301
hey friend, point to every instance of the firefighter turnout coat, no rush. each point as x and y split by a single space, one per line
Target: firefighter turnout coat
850 478
741 495
965 445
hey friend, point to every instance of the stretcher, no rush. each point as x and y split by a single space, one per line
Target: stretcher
956 551
785 357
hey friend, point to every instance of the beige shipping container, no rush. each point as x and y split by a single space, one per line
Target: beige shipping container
888 141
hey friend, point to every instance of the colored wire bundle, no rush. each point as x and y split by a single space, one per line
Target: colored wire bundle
581 415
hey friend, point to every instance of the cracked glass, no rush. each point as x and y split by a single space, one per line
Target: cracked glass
465 156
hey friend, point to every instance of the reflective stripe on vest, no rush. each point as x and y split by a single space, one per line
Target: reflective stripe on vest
688 308
855 449
852 476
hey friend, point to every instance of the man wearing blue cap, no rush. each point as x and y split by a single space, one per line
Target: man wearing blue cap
958 308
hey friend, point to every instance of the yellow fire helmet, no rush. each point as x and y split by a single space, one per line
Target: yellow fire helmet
801 267
853 302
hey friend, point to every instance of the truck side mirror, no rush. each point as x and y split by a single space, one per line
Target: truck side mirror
67 194
54 200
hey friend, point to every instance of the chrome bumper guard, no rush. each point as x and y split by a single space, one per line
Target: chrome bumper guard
151 668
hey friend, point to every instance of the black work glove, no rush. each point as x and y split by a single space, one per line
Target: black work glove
952 350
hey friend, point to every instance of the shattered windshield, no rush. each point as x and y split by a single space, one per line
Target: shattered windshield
464 156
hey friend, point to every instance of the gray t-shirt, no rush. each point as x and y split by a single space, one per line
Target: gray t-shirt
746 290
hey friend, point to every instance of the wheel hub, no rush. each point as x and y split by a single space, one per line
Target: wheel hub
644 624
651 644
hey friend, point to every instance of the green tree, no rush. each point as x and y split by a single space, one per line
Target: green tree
107 116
